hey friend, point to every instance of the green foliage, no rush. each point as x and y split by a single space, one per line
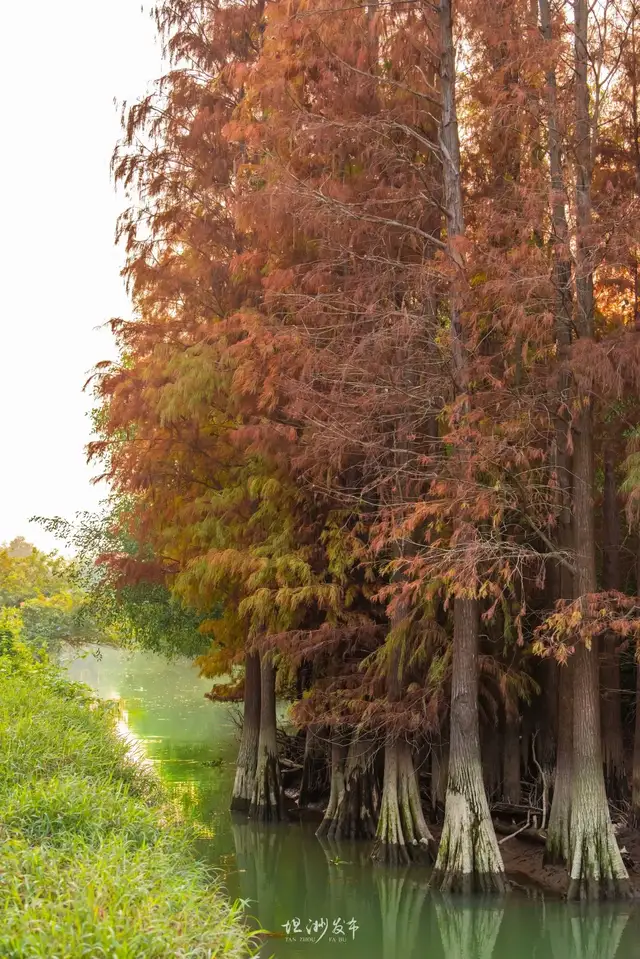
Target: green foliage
141 613
41 598
92 862
32 576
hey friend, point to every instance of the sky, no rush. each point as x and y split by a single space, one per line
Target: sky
61 66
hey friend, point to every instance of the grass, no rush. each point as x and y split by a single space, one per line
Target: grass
92 862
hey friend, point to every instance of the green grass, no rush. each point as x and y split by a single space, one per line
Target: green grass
92 861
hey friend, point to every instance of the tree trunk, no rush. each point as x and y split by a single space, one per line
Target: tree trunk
612 738
613 758
546 721
491 755
596 867
635 793
511 790
247 761
439 776
469 857
527 729
635 780
329 825
314 765
557 850
363 796
402 835
353 804
267 802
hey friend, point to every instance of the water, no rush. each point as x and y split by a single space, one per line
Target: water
324 902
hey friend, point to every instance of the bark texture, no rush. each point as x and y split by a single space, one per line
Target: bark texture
491 752
469 857
635 787
267 801
635 777
612 738
511 789
402 835
355 814
314 764
328 826
439 776
557 850
596 867
247 761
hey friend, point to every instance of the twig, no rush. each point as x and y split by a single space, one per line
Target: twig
521 829
543 777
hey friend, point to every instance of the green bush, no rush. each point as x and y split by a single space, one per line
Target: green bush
92 862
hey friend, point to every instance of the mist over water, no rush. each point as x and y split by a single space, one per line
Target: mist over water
324 900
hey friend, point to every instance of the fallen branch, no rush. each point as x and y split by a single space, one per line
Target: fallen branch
527 832
512 834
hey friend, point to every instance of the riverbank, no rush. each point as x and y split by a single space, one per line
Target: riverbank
93 862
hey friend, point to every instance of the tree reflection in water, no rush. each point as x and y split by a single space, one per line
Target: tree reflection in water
286 873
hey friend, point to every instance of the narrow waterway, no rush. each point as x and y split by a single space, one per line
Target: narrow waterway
322 901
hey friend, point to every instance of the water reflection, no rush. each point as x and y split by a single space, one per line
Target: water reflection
590 933
469 930
359 911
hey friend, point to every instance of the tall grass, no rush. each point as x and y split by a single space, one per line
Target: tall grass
91 863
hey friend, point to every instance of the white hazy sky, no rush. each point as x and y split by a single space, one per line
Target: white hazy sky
61 66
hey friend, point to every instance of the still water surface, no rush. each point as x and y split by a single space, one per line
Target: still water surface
333 903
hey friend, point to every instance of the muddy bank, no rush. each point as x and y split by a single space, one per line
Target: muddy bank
523 863
522 857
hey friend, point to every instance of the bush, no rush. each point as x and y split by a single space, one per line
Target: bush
92 862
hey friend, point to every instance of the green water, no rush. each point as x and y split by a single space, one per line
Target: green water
333 909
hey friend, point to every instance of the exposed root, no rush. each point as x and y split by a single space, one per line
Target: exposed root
314 766
267 801
597 869
243 787
557 850
402 835
469 859
329 825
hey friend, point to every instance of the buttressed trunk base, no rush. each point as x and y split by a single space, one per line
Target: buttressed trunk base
469 857
596 867
267 800
354 800
557 851
402 836
247 761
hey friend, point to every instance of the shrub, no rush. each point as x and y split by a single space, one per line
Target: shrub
93 862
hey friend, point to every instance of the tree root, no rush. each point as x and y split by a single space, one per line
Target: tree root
597 870
402 835
267 801
469 859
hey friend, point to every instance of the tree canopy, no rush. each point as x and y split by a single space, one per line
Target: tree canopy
376 416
